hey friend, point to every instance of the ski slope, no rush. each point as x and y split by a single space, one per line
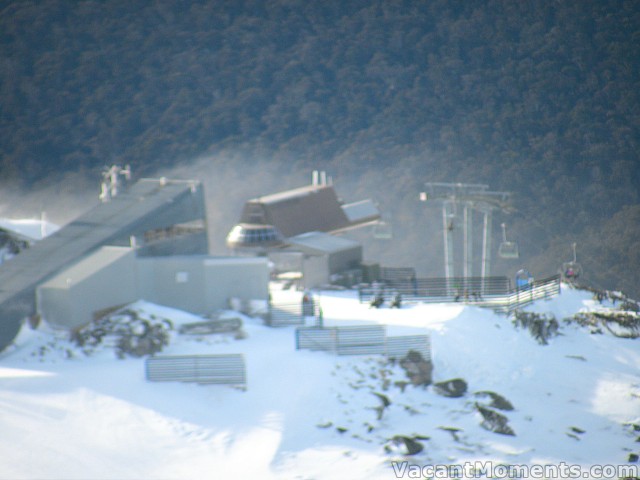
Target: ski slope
313 415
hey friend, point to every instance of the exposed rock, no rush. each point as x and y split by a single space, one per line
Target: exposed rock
453 431
219 325
577 357
401 384
131 334
385 402
497 401
383 398
453 388
418 369
494 421
411 445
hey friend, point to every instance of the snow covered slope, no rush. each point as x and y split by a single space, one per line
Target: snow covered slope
313 415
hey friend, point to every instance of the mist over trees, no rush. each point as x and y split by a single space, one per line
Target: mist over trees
537 98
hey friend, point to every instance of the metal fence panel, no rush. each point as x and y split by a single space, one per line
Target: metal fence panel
285 314
361 340
398 347
210 369
313 338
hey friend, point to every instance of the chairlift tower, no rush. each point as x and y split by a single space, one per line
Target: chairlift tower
467 198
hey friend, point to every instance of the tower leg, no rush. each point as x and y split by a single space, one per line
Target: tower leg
447 218
486 248
468 241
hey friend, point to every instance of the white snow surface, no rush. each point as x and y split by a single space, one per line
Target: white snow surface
96 417
33 229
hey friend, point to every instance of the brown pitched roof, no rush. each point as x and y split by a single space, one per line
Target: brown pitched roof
305 209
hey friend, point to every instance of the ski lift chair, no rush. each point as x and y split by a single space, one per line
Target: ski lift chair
382 231
571 270
507 249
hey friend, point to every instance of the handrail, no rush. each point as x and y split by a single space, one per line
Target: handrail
507 300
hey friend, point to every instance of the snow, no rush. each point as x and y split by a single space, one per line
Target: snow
33 229
96 417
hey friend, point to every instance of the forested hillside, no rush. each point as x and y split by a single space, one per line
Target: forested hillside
537 98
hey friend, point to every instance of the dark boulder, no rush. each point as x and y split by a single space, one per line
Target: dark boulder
418 370
453 388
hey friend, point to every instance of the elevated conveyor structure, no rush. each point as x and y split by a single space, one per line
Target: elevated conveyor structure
150 205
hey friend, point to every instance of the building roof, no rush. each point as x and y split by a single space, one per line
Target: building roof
321 243
306 209
288 195
26 229
361 212
87 266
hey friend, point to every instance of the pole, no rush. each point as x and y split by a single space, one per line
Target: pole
486 248
468 240
448 241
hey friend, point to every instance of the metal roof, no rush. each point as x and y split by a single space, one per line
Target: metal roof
148 204
362 211
319 242
305 209
87 266
289 194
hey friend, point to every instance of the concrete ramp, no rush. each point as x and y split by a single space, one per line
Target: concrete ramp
148 206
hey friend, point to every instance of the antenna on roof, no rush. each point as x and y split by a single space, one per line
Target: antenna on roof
319 177
111 182
43 224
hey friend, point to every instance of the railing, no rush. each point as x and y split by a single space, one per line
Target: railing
361 340
540 289
205 369
396 274
399 347
490 292
291 313
439 289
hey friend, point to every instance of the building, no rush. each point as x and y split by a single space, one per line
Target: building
146 241
18 235
268 222
319 259
296 229
115 276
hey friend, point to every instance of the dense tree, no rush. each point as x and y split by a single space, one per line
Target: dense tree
539 98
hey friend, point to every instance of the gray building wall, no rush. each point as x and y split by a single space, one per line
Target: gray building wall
325 255
176 282
104 279
345 259
202 284
315 271
114 276
243 278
